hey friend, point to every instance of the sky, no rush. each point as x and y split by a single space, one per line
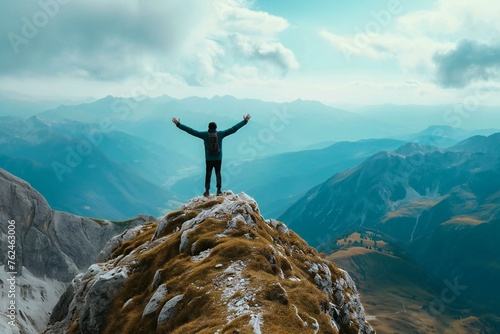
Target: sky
339 52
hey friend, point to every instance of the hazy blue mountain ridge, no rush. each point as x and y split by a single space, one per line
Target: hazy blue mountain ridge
83 170
163 155
277 127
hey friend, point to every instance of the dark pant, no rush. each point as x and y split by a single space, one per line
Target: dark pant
213 164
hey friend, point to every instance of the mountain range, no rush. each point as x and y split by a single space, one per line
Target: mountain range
134 138
411 214
87 169
440 209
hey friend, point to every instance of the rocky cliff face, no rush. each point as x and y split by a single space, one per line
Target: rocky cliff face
51 247
214 266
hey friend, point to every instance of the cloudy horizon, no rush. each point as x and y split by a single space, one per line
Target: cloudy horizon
336 52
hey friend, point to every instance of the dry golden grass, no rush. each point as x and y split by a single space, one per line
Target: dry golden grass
356 240
465 220
469 325
74 327
410 209
347 253
128 246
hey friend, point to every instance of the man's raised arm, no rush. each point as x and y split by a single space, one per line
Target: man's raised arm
238 126
183 127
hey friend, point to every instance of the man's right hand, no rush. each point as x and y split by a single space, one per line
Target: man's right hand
176 121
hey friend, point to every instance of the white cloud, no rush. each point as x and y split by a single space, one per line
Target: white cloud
411 53
272 52
235 15
103 40
239 38
414 38
198 40
455 18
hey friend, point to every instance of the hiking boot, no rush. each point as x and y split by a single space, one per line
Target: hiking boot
206 193
219 192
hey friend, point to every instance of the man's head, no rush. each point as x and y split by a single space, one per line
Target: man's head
212 126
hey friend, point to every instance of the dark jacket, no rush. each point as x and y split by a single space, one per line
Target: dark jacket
204 135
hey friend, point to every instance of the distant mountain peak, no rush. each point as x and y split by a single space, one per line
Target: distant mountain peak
223 97
37 120
216 265
302 101
479 143
414 148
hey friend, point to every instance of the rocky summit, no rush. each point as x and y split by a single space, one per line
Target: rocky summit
214 266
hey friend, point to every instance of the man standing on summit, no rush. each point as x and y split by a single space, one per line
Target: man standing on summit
213 148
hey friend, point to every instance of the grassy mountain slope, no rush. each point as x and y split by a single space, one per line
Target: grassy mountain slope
215 266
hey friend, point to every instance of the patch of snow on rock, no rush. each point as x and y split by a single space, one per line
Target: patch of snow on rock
256 321
202 256
298 316
237 292
35 297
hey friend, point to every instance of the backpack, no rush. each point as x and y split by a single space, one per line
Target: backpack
213 143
